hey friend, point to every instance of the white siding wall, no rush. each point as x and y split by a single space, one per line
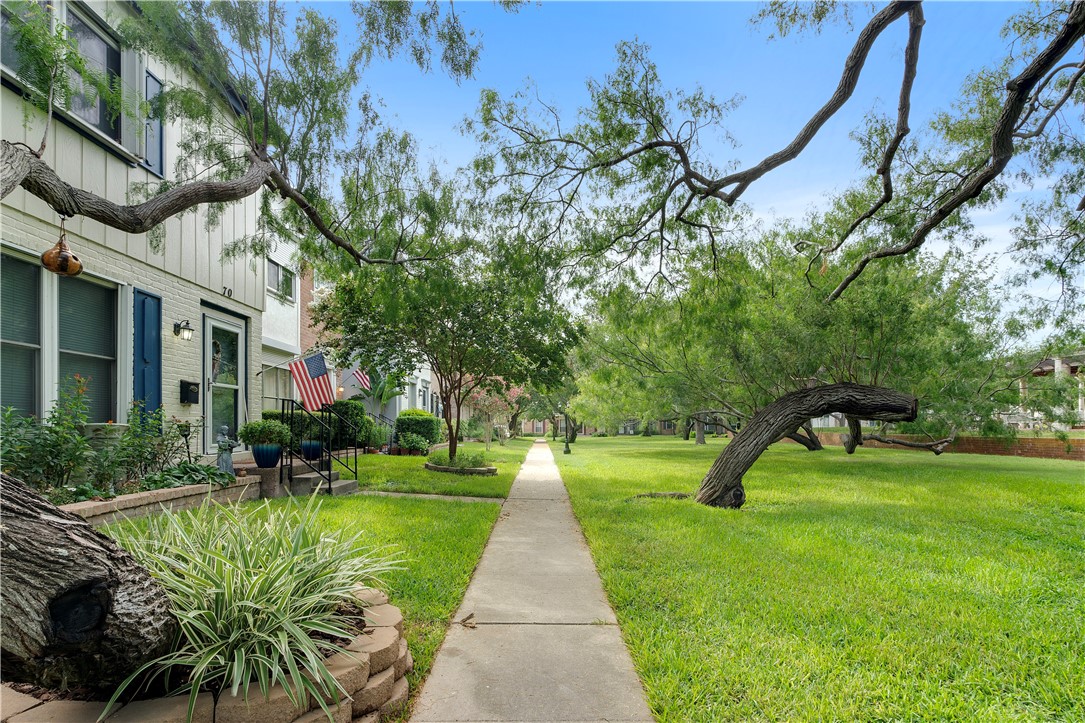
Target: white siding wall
187 274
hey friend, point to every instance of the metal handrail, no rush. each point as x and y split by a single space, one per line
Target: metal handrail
289 408
344 422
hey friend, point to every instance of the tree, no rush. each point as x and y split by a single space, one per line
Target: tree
628 181
469 322
77 609
272 109
751 345
494 401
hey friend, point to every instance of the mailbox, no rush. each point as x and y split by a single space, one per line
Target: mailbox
190 392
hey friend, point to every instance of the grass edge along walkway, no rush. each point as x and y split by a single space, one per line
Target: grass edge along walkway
884 585
543 644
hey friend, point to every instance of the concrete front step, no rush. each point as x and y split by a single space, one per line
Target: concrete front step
339 487
303 484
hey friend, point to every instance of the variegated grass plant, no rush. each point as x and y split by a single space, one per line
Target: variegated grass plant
249 588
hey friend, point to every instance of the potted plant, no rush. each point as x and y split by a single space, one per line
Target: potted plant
266 438
311 449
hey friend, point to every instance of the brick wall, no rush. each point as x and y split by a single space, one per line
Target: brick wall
1040 447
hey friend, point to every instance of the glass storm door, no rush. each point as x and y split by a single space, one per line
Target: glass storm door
223 364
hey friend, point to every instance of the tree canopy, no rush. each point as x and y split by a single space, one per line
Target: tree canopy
472 323
271 96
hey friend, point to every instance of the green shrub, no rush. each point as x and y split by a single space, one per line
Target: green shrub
49 453
414 442
186 473
378 436
247 612
353 412
419 421
463 459
473 428
600 434
265 431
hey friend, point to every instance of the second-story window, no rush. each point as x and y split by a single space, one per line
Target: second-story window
280 280
152 141
102 54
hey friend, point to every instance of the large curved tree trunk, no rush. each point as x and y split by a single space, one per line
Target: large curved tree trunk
77 609
722 486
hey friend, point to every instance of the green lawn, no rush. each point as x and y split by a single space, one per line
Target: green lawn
887 585
441 541
407 474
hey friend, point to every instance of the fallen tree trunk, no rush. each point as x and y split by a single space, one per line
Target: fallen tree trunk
722 486
77 610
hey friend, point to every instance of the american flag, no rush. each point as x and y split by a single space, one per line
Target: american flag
313 382
362 378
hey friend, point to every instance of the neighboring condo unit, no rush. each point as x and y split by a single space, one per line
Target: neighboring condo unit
180 329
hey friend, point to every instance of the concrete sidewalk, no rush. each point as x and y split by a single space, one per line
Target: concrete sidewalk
547 645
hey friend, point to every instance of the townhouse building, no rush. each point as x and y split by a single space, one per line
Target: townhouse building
177 328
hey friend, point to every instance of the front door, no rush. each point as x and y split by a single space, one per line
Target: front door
147 350
224 370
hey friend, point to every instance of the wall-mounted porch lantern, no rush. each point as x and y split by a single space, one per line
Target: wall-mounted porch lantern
183 329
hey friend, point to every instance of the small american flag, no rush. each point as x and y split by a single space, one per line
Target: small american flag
362 378
311 378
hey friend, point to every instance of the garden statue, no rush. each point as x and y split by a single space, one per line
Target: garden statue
226 447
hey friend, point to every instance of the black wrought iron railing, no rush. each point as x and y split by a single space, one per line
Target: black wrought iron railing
388 424
320 443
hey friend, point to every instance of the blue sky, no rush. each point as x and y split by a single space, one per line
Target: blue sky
558 45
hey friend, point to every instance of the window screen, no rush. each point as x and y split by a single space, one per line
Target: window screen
101 55
153 140
87 333
20 335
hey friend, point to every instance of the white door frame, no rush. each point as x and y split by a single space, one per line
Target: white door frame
236 326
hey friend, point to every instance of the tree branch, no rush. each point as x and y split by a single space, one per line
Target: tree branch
1019 90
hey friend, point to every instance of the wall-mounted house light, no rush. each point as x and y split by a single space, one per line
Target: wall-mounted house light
183 329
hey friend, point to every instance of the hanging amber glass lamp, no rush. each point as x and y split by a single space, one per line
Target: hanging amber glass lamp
60 259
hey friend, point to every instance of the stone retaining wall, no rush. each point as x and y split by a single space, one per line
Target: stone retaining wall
139 504
372 669
1041 447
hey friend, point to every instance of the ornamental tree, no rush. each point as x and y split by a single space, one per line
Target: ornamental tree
469 321
494 400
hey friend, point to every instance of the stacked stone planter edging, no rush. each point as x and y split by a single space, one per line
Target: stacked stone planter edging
372 669
480 471
138 504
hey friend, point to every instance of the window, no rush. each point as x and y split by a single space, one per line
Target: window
87 341
83 315
152 139
9 50
280 280
20 335
103 56
277 386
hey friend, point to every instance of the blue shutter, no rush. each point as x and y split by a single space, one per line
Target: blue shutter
147 351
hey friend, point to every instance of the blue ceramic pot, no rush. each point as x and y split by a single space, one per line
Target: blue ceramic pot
266 455
311 449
